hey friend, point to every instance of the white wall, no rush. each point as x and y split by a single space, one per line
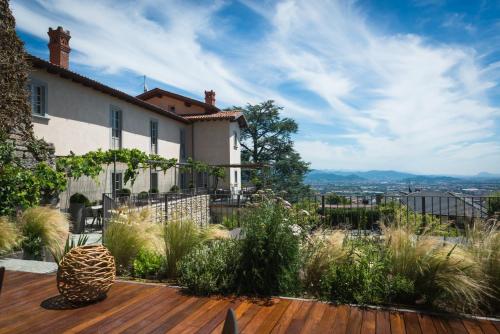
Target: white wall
78 120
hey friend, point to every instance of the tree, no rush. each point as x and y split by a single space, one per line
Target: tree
268 140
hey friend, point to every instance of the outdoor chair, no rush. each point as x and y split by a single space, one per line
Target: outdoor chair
230 324
2 274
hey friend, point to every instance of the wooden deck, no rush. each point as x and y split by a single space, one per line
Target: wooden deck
141 308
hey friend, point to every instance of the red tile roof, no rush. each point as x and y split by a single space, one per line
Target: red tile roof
222 115
213 113
75 77
160 92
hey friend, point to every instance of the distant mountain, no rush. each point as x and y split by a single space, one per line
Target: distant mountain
372 175
322 176
329 176
486 175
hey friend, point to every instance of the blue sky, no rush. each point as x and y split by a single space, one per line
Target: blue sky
406 85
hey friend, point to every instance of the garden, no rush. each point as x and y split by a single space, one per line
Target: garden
282 250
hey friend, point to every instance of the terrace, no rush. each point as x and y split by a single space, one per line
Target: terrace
28 307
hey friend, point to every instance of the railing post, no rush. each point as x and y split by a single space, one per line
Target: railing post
166 207
323 213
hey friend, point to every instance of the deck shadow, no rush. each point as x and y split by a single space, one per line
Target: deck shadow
59 303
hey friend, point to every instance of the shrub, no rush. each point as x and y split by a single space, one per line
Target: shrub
445 275
210 268
364 277
174 189
143 195
128 232
180 237
270 249
78 198
336 199
483 242
124 192
319 252
230 222
494 203
9 236
43 227
153 191
148 263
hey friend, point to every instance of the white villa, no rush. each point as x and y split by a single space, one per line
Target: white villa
78 114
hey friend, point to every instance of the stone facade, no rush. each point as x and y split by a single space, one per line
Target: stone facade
195 208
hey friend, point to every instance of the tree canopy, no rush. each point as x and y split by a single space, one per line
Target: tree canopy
268 140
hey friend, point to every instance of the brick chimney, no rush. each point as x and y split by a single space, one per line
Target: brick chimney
210 97
59 47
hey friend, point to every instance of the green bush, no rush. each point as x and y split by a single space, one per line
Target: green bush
211 268
78 198
365 277
153 191
270 250
124 192
336 199
494 203
174 189
143 195
148 264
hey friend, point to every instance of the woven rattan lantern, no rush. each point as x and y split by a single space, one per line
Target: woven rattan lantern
86 273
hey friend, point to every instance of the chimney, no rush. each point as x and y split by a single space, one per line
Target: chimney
210 97
59 47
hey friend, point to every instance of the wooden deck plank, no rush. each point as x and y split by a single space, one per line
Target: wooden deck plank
314 317
383 322
141 308
412 324
426 324
286 319
355 319
488 327
299 318
341 319
472 326
397 323
327 321
368 326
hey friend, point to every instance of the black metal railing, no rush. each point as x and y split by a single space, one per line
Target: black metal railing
366 212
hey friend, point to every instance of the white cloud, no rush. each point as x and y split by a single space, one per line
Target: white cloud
402 101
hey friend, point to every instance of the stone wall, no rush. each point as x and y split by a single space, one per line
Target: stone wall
195 208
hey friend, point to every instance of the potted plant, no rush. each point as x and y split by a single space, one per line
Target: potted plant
77 203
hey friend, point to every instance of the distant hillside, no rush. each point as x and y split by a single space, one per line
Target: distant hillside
329 176
373 175
321 176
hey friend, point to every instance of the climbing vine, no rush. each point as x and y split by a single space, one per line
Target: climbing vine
92 164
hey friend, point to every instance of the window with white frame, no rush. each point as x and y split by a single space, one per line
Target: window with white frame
154 181
116 128
153 129
183 152
38 96
235 140
235 177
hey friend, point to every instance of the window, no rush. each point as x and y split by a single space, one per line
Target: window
153 127
116 128
183 144
171 108
235 140
235 177
38 95
116 182
154 181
